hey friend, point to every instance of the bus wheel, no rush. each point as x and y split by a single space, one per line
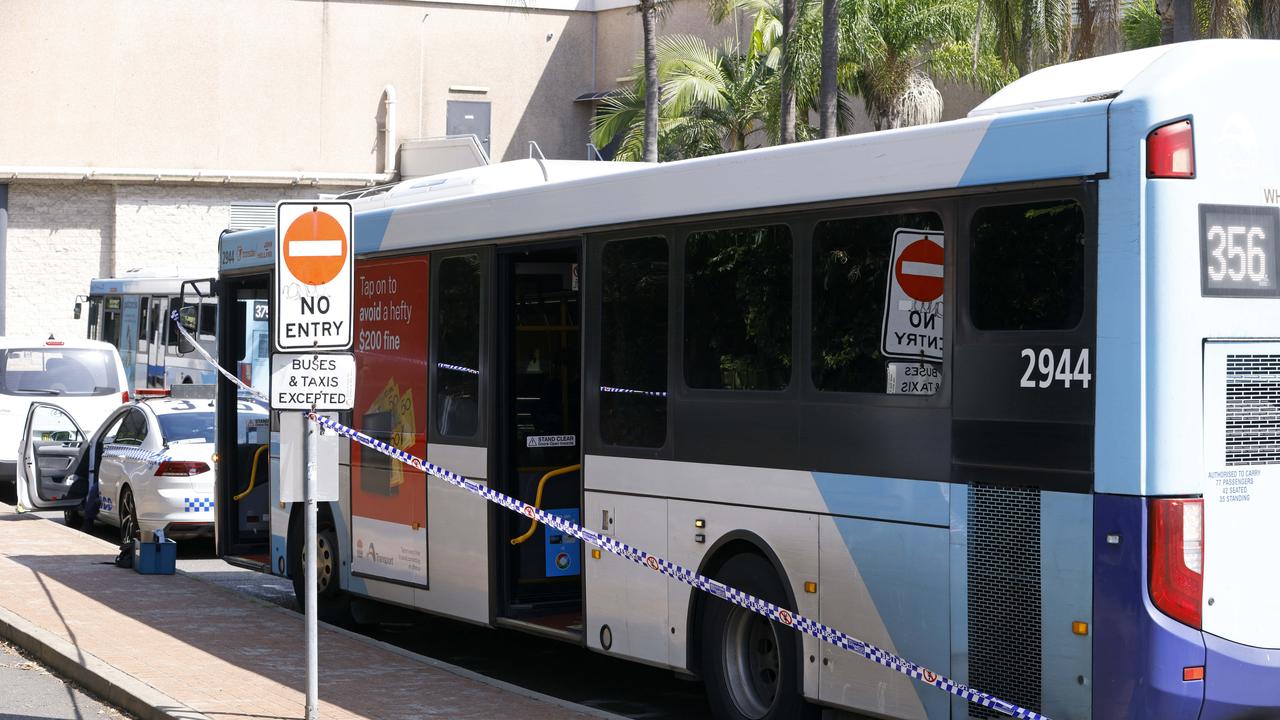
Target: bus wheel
331 600
749 663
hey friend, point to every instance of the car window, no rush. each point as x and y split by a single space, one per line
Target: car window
195 425
133 430
109 436
58 371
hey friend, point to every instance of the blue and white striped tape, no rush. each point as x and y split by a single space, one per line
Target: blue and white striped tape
781 615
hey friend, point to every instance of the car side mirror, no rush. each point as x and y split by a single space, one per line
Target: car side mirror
75 313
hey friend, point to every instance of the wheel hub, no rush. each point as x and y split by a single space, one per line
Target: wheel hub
751 662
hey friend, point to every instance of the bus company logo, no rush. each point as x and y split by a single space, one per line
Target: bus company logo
786 618
929 676
652 562
562 561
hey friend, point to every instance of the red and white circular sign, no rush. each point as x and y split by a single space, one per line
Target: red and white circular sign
919 270
315 247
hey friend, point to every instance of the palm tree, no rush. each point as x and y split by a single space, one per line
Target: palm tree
649 19
786 79
1027 30
829 93
907 43
712 100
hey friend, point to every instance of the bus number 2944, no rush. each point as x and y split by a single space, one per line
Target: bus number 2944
1045 367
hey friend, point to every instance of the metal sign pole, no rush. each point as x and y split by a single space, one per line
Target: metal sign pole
309 487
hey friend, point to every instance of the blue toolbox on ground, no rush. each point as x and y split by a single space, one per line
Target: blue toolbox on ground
155 558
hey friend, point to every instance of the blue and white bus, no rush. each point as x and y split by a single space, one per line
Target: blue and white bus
132 312
1001 395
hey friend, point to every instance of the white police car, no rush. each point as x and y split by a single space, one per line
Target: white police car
153 460
155 471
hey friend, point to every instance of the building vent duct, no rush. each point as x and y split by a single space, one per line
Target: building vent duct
1004 595
1253 410
248 216
434 156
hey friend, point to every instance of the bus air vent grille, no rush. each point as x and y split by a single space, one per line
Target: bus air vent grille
1004 595
1253 410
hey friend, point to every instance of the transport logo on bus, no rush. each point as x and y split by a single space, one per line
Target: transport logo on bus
913 309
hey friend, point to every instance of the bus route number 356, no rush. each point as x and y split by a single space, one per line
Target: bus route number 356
1047 366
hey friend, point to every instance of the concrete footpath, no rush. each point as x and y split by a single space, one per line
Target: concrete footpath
177 647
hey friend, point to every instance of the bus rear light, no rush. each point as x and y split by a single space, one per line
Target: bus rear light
124 397
1177 557
1171 151
181 468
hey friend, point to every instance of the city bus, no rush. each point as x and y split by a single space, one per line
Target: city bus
1000 395
132 313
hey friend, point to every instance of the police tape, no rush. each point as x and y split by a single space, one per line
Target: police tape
675 571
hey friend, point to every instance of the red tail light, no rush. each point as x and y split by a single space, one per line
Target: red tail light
1177 557
124 397
181 468
1171 153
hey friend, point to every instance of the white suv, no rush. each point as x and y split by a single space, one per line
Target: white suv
84 377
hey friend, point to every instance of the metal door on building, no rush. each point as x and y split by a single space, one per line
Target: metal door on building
469 117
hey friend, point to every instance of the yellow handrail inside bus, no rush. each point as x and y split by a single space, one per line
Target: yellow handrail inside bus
537 501
253 474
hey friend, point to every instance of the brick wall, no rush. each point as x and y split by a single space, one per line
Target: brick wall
62 235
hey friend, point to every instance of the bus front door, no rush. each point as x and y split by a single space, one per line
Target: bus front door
246 522
539 453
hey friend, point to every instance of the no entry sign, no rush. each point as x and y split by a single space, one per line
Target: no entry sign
913 317
314 249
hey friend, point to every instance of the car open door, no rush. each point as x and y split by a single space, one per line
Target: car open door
52 460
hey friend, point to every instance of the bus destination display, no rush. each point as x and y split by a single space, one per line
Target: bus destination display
1238 250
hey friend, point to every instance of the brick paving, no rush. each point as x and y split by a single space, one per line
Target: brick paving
220 653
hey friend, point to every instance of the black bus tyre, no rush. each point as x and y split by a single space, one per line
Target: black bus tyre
331 601
750 665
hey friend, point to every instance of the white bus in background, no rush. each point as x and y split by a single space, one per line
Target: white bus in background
132 313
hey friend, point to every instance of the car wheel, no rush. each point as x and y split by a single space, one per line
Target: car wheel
750 664
73 519
128 516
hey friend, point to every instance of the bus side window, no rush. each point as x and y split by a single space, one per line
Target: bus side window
1028 266
174 304
145 320
208 321
737 308
633 342
457 318
95 310
851 266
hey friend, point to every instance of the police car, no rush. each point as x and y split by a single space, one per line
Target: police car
153 459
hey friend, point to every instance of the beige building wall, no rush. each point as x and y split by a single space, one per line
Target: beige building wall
278 84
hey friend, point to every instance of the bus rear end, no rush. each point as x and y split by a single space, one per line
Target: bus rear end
1187 511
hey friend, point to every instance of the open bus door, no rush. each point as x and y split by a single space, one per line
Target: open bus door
244 489
539 353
